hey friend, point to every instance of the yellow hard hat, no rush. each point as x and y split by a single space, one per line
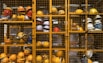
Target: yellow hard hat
39 12
20 55
78 11
54 10
20 8
12 57
28 8
93 11
2 55
8 8
30 57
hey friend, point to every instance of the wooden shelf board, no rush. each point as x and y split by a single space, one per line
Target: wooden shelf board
95 14
76 49
95 32
58 48
76 31
50 15
49 32
42 15
73 13
58 32
1 45
98 50
15 21
42 32
42 49
58 15
18 45
76 13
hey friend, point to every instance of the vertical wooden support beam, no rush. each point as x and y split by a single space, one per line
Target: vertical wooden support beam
50 38
34 30
66 32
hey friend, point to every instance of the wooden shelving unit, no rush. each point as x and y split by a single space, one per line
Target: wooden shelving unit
58 33
89 38
50 36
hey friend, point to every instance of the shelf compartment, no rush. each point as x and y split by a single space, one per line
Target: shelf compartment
15 15
59 6
95 4
58 54
77 41
76 56
11 33
97 56
42 41
95 41
58 24
58 41
17 49
1 49
77 23
42 24
42 7
74 5
96 22
43 55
